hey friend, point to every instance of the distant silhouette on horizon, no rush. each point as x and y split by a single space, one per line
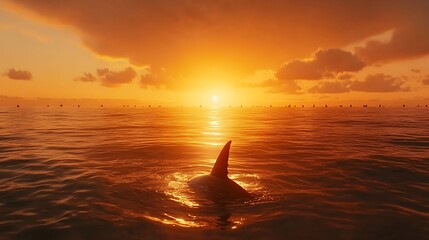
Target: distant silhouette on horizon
241 106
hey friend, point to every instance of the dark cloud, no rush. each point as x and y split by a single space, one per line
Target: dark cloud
116 78
337 60
298 69
414 70
378 83
19 74
330 87
86 77
426 80
324 63
410 37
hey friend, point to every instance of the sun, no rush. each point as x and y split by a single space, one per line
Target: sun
215 99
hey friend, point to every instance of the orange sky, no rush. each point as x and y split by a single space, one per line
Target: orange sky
246 52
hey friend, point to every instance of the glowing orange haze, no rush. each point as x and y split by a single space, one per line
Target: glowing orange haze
244 52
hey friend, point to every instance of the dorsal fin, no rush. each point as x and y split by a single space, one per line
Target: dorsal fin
220 168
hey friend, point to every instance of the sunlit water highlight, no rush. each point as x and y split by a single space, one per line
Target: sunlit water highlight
122 173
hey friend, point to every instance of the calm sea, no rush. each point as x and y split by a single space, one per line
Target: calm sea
121 173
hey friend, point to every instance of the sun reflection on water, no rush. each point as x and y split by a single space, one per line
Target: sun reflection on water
237 223
176 221
213 132
250 182
177 190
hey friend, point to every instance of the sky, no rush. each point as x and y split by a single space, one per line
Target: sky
244 52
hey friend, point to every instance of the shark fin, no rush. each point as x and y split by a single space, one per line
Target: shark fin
220 168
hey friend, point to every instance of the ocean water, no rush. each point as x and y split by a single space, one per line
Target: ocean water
121 173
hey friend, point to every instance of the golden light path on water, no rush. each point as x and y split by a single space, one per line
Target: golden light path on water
177 183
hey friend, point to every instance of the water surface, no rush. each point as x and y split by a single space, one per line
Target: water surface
121 173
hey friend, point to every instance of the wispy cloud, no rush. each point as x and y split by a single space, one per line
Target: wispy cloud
109 78
86 77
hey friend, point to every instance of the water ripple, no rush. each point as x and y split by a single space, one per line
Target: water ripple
117 173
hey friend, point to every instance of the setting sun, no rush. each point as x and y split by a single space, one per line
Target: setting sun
215 99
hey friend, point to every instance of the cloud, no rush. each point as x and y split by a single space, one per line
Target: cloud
410 37
188 36
115 79
373 83
299 69
378 83
337 60
257 78
266 79
276 86
415 70
330 87
110 78
176 33
19 74
149 79
156 78
86 77
344 76
324 63
426 80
